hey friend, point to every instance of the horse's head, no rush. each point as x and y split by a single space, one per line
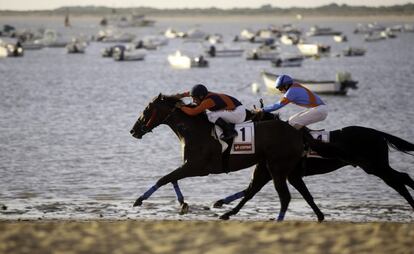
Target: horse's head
156 113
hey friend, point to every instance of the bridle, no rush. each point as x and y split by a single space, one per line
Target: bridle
149 125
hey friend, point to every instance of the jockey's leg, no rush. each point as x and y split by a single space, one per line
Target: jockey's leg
222 119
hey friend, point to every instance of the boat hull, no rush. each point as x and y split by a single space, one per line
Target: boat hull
320 87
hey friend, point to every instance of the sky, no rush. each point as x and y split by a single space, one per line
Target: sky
225 4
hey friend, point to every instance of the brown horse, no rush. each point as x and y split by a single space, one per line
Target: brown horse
365 147
278 146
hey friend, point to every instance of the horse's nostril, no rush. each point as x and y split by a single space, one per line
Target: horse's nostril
131 131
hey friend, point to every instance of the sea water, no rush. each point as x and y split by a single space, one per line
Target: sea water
66 151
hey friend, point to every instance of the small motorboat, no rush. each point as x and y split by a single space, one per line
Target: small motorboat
288 61
264 52
340 38
313 49
108 51
224 51
53 39
353 51
290 39
340 86
10 49
121 54
180 61
76 47
322 31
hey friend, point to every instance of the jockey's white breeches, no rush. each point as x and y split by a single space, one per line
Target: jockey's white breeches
238 115
309 116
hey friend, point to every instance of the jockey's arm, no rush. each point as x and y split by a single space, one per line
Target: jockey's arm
182 95
277 105
204 105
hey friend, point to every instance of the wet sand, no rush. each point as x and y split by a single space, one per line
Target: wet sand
138 236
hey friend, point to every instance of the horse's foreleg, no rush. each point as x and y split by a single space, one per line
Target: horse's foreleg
186 170
146 195
298 183
260 177
180 198
279 181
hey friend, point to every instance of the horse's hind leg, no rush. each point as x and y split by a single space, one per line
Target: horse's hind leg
297 182
261 176
395 180
279 181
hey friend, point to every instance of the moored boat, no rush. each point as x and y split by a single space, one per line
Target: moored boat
288 61
180 61
213 51
340 86
313 49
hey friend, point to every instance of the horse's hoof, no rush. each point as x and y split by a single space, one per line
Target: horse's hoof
138 202
184 209
321 218
218 204
224 217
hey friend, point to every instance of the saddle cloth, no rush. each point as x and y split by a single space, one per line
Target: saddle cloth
321 135
243 143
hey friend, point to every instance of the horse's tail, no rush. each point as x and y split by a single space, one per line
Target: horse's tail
397 143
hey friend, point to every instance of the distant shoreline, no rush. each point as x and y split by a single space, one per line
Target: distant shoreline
226 18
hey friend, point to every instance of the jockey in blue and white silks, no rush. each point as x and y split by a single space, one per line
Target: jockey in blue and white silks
315 111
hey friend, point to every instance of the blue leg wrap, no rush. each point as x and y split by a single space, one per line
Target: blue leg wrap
233 197
180 196
149 192
281 217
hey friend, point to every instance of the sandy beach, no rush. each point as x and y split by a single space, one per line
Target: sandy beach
137 236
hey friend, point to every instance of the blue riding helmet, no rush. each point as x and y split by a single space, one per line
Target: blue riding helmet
199 91
283 81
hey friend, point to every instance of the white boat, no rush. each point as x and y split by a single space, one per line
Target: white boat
32 45
172 33
76 47
195 35
114 36
10 50
224 51
340 38
3 52
245 35
340 86
353 51
120 54
149 42
373 37
215 39
290 39
180 61
313 49
264 52
51 38
108 51
322 31
288 61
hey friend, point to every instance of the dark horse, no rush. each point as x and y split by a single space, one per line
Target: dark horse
278 146
365 147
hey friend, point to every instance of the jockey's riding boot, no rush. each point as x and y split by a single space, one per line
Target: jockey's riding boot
228 131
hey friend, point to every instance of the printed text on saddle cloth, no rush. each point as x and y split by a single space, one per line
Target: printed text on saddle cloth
244 142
